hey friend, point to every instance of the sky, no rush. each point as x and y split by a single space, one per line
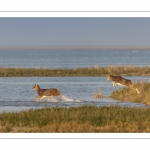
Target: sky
74 31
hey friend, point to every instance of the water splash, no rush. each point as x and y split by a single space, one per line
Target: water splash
67 99
55 99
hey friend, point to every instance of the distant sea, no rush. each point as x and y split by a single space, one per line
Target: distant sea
73 58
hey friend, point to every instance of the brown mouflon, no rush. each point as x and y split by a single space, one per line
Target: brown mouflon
42 93
118 80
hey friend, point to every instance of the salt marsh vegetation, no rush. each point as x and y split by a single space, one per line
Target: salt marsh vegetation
81 119
95 71
126 94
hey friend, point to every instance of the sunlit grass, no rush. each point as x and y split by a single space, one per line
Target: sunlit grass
95 71
98 95
77 119
127 94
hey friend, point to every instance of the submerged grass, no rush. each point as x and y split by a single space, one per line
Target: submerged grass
77 119
95 71
126 94
98 95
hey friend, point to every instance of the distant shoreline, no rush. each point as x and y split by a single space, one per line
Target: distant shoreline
111 47
78 72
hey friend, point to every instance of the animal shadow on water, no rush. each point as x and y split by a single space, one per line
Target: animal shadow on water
46 93
118 80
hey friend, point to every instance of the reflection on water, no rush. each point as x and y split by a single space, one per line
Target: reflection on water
17 94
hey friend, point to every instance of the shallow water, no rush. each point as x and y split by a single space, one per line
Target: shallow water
17 94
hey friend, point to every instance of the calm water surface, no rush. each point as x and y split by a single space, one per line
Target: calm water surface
17 94
72 58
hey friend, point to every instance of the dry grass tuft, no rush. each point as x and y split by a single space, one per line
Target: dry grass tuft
98 95
127 94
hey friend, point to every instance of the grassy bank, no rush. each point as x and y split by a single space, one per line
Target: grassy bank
126 94
96 71
81 119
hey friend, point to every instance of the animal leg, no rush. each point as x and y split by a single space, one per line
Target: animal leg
44 97
60 97
40 99
51 96
35 97
114 84
137 90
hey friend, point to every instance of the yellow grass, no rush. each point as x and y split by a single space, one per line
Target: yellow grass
85 119
95 71
127 94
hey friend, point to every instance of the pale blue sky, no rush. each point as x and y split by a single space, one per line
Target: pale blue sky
74 31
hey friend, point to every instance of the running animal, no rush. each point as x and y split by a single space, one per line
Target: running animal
118 80
43 93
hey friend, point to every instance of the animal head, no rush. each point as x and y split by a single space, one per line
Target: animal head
36 86
108 77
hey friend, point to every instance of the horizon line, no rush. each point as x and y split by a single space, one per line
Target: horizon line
75 47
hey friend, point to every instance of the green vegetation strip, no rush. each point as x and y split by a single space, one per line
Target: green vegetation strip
92 118
127 94
95 71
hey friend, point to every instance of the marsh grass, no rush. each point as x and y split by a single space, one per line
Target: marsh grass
98 95
126 94
95 71
77 119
